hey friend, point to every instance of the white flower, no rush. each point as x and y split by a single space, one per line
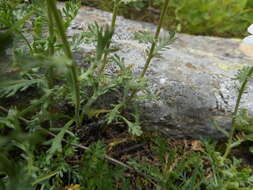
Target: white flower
249 39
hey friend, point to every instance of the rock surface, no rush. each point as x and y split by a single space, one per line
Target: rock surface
193 78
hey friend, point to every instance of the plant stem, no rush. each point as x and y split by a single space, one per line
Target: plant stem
66 48
113 23
110 159
60 27
51 30
103 62
238 101
91 100
26 41
150 55
114 14
50 75
152 49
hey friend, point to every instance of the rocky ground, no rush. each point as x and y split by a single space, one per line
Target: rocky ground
193 78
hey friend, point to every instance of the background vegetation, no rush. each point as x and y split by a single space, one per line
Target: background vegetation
227 18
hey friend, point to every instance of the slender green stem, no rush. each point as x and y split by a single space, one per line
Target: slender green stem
91 100
153 46
67 50
51 30
152 49
114 14
50 75
26 41
113 23
103 62
60 27
238 101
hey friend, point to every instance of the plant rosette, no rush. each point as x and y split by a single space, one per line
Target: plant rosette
247 43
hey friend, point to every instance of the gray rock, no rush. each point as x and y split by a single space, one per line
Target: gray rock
192 79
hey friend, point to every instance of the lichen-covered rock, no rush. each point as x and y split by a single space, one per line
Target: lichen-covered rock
193 79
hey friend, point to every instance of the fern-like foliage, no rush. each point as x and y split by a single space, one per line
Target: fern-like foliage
7 17
242 74
226 175
97 173
70 11
56 144
10 120
144 37
164 42
104 37
11 87
172 170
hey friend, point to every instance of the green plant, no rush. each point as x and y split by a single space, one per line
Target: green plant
201 169
157 45
241 121
39 70
226 175
97 174
228 18
72 65
39 144
45 62
17 165
243 77
209 17
172 170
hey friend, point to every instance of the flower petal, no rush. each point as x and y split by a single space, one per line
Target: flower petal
247 49
248 40
250 29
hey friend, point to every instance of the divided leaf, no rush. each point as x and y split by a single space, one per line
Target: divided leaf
57 141
11 87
